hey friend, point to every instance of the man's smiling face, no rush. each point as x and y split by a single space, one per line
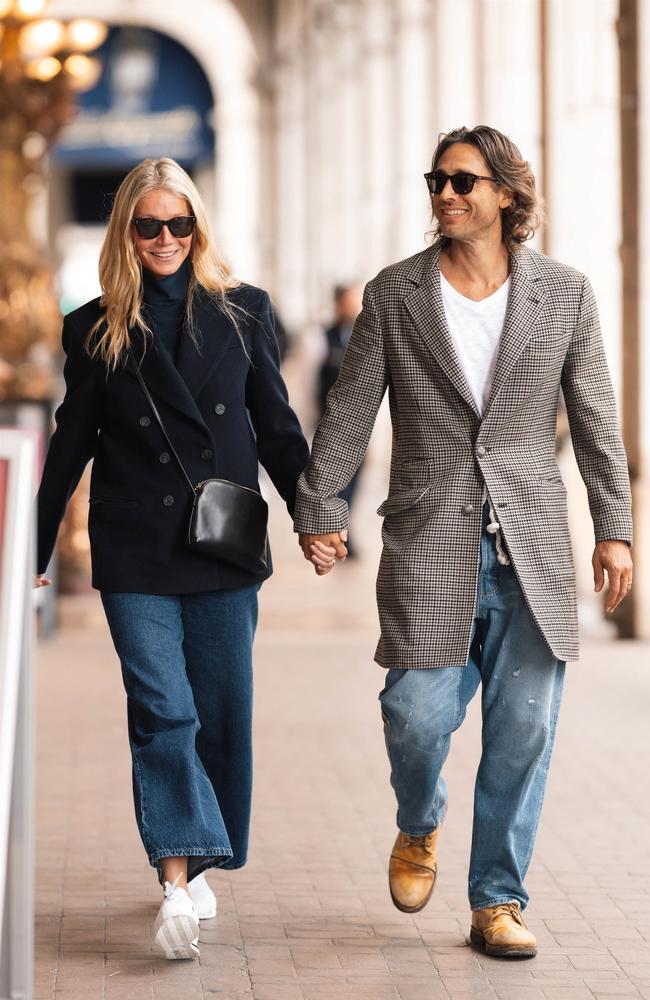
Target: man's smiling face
467 217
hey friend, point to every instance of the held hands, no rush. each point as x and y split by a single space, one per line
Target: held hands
324 550
615 558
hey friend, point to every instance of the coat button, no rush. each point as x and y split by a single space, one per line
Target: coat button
144 421
206 453
468 508
219 409
481 451
168 501
164 457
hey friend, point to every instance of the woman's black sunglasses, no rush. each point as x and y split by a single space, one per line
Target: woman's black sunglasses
462 182
148 228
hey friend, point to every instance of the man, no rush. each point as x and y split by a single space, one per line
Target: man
347 306
474 339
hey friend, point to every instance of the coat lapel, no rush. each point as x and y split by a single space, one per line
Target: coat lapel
179 385
427 311
525 301
215 334
162 377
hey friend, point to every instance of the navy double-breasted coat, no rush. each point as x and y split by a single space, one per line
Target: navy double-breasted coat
225 408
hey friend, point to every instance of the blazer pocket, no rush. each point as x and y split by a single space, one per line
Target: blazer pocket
398 502
552 481
548 343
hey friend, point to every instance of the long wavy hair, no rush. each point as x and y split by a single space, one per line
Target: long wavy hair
505 162
120 270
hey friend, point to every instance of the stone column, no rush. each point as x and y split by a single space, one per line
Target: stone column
352 167
638 411
413 57
289 183
378 137
585 228
454 93
509 95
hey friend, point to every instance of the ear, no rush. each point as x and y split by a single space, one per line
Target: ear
507 199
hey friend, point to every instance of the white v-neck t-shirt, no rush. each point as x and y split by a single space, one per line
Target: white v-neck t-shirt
476 329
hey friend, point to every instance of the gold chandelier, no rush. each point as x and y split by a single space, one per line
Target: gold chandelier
44 62
42 48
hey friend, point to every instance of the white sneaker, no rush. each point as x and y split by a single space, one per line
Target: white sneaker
203 897
176 930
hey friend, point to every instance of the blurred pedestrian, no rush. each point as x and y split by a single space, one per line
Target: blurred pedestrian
172 377
347 306
474 337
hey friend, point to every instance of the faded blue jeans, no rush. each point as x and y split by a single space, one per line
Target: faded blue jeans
520 699
187 670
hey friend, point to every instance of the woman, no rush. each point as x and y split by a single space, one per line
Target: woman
182 622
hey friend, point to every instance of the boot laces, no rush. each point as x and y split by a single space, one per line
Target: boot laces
505 909
424 841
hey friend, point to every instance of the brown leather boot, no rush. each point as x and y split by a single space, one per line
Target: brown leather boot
501 931
412 871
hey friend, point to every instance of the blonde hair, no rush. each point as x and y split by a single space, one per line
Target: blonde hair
120 270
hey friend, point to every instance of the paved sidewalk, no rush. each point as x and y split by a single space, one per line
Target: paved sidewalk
310 917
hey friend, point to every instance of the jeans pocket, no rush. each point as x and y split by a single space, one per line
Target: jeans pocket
393 677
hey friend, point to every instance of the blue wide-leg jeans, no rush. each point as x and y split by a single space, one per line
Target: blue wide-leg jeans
521 688
187 671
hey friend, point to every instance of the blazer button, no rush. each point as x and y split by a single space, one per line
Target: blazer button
144 421
164 457
168 501
481 451
468 508
207 453
219 409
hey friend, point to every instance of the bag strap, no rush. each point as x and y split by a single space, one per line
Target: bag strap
154 409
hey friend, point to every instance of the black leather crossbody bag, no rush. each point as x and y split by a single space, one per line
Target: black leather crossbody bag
227 521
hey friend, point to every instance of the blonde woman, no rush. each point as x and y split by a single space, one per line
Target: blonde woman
182 622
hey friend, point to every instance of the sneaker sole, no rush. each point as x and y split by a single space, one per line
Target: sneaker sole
500 951
177 937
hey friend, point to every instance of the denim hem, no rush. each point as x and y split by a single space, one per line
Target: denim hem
212 863
497 901
228 867
420 832
190 852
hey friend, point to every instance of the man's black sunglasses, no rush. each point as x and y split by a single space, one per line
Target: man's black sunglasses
462 182
148 228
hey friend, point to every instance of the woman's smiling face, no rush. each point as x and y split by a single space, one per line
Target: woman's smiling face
165 253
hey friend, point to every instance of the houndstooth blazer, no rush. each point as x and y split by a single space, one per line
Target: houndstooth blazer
444 452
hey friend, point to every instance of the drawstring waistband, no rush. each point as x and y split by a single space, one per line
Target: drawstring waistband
494 528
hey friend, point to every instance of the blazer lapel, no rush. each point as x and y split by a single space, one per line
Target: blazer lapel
525 301
215 334
427 311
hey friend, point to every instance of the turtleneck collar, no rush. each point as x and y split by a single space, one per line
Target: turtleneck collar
169 288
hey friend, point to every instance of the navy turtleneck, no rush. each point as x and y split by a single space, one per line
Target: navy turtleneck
165 302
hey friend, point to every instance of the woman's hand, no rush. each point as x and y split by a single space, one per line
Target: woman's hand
324 550
42 581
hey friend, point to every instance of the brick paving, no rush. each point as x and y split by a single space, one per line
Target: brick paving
310 917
